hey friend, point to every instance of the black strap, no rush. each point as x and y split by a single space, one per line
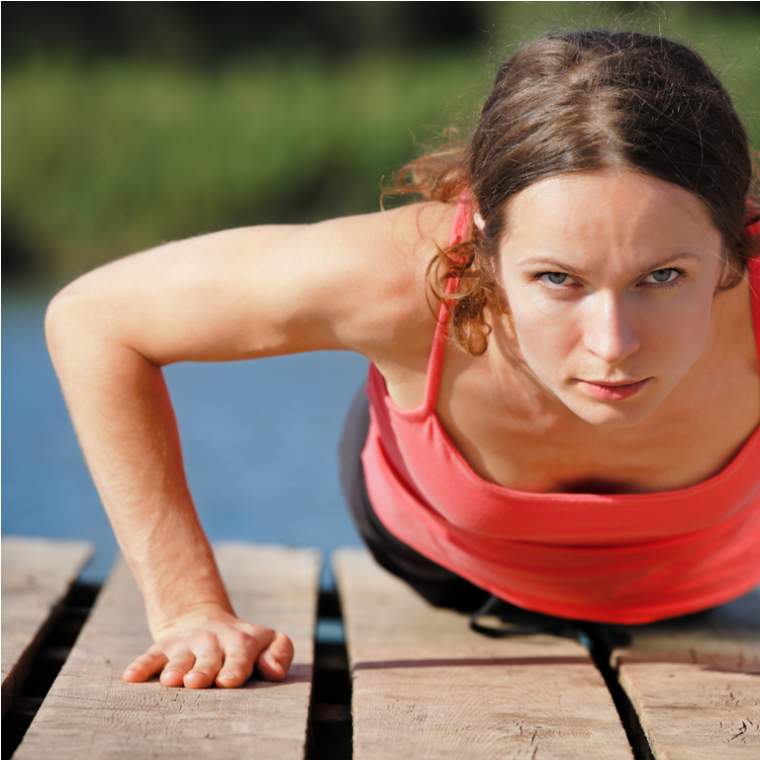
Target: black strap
520 621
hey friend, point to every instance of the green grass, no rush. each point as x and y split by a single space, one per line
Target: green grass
103 160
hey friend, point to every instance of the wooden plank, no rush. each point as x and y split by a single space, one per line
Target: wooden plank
90 712
426 686
37 573
695 682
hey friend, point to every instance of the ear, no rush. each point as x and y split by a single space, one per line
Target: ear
479 222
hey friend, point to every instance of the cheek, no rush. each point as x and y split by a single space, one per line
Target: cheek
544 332
678 326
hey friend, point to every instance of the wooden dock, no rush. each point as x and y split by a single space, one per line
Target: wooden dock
378 673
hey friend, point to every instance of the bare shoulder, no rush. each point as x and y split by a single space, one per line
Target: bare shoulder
392 313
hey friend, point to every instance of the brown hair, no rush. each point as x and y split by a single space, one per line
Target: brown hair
579 101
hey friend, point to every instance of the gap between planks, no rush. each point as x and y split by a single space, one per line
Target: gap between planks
694 682
37 573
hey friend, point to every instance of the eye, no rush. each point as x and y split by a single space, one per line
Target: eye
663 278
667 282
561 276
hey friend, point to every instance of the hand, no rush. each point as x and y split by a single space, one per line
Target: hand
212 646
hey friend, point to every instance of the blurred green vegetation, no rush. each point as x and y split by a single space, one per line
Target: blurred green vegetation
108 157
123 156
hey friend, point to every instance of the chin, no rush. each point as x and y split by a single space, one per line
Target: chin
610 418
609 414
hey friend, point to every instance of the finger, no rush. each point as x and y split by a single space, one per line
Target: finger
179 663
203 673
144 666
237 669
275 661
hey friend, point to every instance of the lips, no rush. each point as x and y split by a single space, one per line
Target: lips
611 392
614 385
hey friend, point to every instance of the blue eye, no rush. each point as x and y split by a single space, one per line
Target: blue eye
553 274
559 279
667 283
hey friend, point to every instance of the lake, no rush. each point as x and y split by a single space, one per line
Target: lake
259 441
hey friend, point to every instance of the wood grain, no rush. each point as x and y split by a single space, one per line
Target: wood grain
91 713
426 686
695 682
36 576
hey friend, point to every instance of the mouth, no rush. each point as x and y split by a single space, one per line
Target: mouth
613 391
614 385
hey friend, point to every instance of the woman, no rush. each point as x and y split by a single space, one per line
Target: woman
584 446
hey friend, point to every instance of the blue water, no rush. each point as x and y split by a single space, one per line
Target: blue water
259 441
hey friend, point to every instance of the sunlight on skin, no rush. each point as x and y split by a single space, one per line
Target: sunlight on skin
604 315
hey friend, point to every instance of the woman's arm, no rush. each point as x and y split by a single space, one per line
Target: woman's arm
237 294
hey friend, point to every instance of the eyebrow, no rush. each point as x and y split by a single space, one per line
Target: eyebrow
566 267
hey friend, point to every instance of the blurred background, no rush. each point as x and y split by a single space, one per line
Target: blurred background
126 125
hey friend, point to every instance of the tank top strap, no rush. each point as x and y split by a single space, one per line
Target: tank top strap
753 227
459 232
754 294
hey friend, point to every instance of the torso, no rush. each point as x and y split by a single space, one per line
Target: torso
514 438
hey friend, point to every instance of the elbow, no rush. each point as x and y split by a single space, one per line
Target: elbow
58 317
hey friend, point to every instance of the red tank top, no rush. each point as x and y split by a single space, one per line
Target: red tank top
615 558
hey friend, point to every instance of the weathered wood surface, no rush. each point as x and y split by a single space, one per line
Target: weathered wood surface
36 576
695 682
426 686
91 713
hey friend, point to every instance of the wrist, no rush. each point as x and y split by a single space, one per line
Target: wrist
175 591
160 622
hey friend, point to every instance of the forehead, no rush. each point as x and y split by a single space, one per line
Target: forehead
611 208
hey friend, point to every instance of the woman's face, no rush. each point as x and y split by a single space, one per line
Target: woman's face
609 277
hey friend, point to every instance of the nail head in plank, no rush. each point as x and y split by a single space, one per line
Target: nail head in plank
37 573
694 681
90 712
426 686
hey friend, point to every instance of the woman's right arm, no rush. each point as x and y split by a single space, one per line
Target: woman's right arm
237 294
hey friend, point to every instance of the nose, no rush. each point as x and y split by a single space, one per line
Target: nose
609 332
